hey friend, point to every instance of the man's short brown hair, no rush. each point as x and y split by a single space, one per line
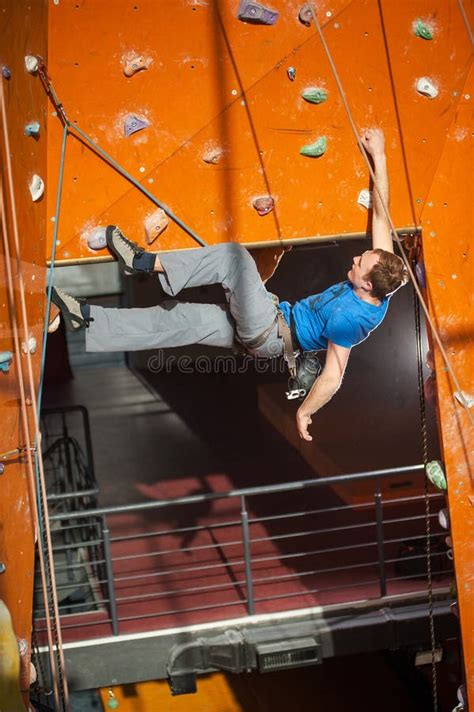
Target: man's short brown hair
387 275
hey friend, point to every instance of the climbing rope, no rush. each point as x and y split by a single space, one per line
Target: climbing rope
52 263
27 448
424 444
35 485
466 21
388 216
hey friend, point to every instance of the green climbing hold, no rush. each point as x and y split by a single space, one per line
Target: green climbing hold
113 703
315 95
316 149
435 474
423 30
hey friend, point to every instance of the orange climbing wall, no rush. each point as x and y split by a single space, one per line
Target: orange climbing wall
215 81
448 228
25 101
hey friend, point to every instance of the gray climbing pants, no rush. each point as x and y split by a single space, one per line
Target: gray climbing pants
249 310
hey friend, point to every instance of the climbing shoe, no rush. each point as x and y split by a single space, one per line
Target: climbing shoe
126 251
71 309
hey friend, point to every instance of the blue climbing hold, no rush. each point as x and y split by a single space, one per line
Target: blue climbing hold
6 72
32 129
133 123
6 357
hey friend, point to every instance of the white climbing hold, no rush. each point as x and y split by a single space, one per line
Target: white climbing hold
30 347
465 399
97 240
36 187
213 154
155 224
443 518
31 63
427 87
365 199
135 63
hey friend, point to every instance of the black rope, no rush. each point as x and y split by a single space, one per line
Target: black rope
424 444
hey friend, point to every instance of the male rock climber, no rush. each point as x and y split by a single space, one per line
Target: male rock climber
335 320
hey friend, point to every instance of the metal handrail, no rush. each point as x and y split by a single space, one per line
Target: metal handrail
244 492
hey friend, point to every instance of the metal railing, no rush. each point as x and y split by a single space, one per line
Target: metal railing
249 561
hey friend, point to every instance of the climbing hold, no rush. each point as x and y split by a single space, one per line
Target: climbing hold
291 73
2 468
256 13
6 357
31 63
315 95
213 154
155 224
443 518
97 240
462 696
426 87
32 129
305 15
133 123
365 199
264 204
134 64
316 149
6 72
466 400
36 187
423 30
112 702
435 474
420 274
30 347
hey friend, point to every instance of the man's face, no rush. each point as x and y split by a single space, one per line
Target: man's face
361 266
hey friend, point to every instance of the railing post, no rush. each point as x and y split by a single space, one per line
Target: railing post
247 556
380 542
110 577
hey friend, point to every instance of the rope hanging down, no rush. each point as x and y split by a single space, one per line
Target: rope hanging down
424 444
35 486
388 216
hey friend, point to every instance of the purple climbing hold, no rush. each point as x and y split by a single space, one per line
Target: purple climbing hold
256 13
6 72
263 204
420 274
133 123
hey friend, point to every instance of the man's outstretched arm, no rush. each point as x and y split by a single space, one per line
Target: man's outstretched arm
323 388
374 143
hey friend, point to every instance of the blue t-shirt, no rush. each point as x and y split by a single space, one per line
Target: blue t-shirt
336 315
